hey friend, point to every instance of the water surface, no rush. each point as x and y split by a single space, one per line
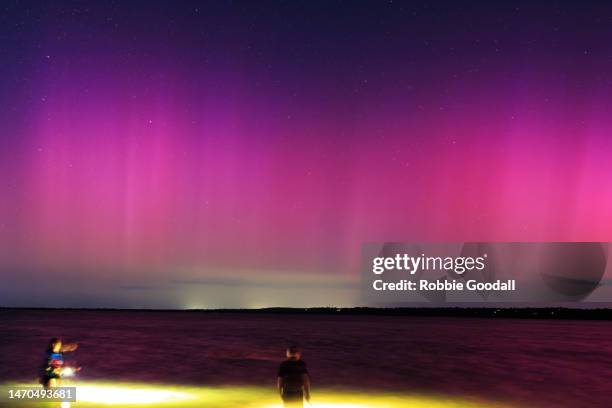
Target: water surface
531 363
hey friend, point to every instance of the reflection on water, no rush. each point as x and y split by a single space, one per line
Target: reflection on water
167 396
524 362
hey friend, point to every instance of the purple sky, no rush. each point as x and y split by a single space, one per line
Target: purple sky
162 154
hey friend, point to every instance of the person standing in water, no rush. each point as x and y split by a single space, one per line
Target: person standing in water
293 382
53 366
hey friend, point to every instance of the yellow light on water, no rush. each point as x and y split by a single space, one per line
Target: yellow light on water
128 395
331 405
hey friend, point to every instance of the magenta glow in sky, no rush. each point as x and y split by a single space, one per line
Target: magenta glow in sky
237 155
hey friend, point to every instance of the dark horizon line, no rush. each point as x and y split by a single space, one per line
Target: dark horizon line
455 311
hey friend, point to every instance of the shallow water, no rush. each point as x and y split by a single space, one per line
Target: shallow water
537 363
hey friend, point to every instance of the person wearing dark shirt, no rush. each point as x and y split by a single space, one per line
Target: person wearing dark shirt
293 382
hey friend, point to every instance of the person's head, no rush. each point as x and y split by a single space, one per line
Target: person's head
55 345
294 352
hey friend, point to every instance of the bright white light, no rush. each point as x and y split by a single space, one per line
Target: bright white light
326 405
340 406
128 395
68 372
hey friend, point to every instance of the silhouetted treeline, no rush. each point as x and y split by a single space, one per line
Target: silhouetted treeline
475 312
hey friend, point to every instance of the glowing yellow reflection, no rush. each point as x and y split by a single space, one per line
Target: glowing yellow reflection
128 395
330 405
90 395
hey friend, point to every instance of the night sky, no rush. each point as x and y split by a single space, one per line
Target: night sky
237 154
